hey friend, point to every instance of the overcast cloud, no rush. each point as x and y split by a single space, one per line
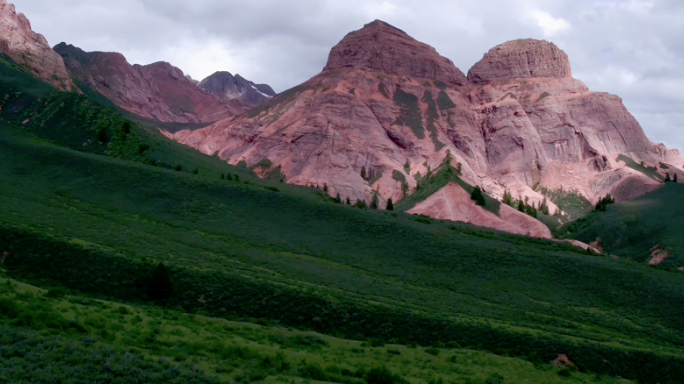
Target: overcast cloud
632 48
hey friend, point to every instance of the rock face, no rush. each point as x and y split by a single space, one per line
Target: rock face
225 86
157 91
387 110
30 50
521 59
380 47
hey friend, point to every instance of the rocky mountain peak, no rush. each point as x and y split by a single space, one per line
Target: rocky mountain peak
225 86
30 50
524 58
380 47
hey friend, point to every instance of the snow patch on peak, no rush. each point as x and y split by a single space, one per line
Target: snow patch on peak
263 94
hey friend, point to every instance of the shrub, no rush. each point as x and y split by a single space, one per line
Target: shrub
382 375
103 135
433 351
312 371
495 378
142 148
178 168
9 308
565 372
195 171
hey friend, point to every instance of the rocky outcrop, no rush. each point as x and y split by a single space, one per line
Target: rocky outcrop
225 86
379 118
31 50
521 59
380 47
157 91
453 203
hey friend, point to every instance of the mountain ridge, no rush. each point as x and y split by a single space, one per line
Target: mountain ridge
157 91
365 127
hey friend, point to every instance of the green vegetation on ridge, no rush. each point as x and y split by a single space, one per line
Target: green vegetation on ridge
635 229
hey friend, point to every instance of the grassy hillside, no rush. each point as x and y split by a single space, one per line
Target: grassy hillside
99 219
112 341
634 229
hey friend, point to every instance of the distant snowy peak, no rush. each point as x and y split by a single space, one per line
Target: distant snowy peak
254 87
228 87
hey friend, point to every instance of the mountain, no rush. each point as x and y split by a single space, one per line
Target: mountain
157 91
386 110
114 239
30 50
225 86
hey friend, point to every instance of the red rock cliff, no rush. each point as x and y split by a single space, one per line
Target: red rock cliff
387 110
521 59
30 50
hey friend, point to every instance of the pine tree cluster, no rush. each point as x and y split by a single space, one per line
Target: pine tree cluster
525 207
602 204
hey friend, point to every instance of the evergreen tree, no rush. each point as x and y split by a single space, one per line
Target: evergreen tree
544 207
338 199
675 179
325 188
237 178
521 206
348 201
159 286
508 198
223 176
478 197
363 173
229 177
390 205
447 159
667 178
374 203
360 204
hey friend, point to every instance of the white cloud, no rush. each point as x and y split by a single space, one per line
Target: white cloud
550 25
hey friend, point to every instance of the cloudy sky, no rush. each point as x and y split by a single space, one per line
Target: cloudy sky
632 48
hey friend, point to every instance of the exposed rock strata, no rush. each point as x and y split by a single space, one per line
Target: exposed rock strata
521 59
157 91
380 47
382 111
31 50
